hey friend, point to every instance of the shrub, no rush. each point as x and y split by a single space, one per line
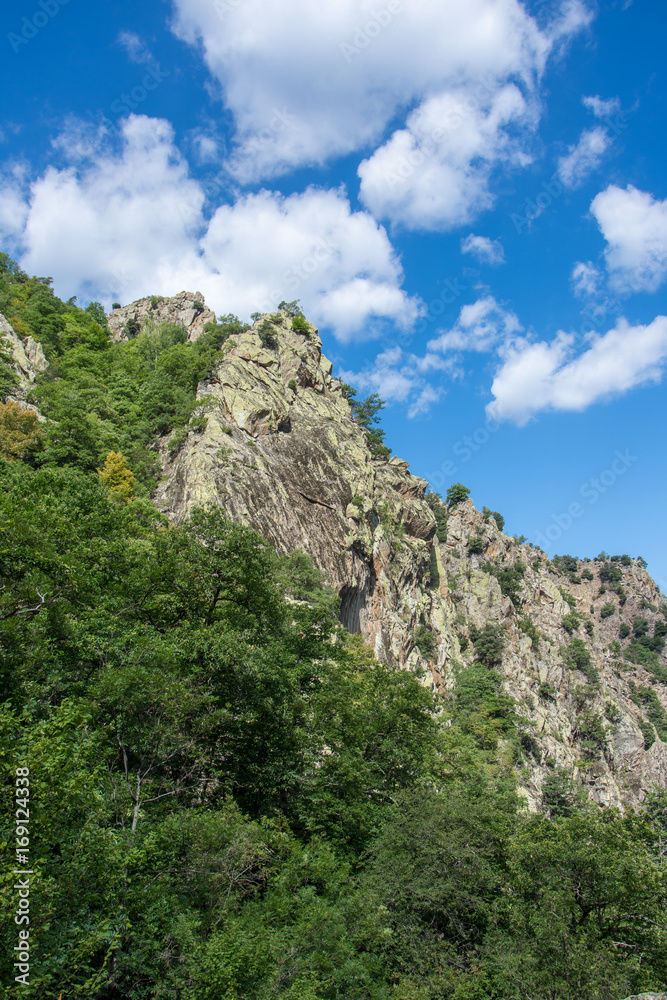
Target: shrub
498 518
610 574
425 641
527 626
292 309
568 597
592 734
489 643
365 413
568 564
578 657
559 795
434 500
547 691
132 328
456 494
267 335
571 622
510 580
301 326
607 610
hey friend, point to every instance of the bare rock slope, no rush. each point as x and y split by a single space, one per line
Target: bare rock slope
274 443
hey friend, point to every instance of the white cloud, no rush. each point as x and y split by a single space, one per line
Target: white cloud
342 71
602 108
435 173
397 377
135 47
538 376
587 279
481 325
634 224
487 251
584 158
206 149
130 222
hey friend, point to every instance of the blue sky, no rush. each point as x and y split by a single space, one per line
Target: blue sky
468 199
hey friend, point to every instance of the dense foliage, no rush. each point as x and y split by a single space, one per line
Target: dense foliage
102 396
230 798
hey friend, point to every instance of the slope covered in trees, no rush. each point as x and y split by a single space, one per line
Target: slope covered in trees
230 797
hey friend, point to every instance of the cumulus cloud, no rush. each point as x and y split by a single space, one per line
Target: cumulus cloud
487 251
582 159
602 108
130 221
535 377
481 325
634 224
435 173
531 376
342 72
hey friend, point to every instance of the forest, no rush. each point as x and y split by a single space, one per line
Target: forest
230 798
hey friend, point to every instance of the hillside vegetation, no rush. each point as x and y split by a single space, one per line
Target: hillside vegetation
231 798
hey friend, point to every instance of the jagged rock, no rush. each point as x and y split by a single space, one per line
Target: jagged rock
648 996
185 309
29 360
27 354
281 452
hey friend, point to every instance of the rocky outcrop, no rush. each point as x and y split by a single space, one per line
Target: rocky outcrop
28 360
27 353
274 443
187 309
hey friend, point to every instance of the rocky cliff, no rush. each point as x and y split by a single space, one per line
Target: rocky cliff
187 309
275 444
28 360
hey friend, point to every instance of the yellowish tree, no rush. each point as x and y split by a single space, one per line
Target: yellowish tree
19 430
117 476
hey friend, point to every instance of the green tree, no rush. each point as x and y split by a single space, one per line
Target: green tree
456 494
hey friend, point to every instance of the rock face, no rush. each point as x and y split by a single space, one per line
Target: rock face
274 443
28 358
186 309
